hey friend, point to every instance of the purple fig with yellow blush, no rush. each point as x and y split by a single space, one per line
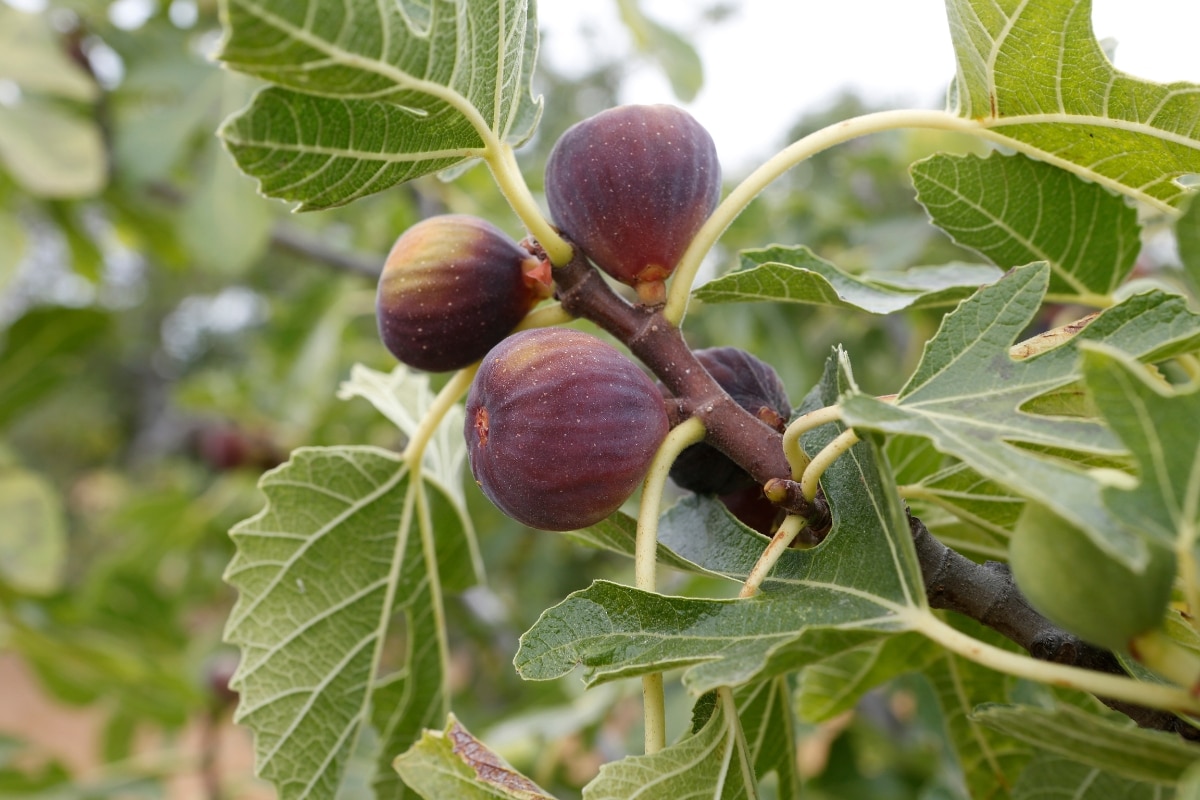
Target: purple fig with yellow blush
630 187
561 428
452 287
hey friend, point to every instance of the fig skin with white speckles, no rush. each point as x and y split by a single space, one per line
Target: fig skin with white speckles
561 428
631 186
452 287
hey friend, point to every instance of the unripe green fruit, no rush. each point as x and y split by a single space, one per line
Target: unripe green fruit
561 428
1073 583
631 186
453 286
756 387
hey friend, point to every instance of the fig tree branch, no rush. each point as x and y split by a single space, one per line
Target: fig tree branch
987 594
754 445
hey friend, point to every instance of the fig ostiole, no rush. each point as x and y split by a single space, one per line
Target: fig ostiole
630 187
452 287
561 427
1075 584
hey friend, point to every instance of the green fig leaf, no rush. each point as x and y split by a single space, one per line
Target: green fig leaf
369 95
796 275
967 397
321 572
1014 211
1116 747
1036 79
713 762
453 763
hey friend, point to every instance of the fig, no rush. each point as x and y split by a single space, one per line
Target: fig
630 187
1076 585
453 286
752 508
755 386
561 428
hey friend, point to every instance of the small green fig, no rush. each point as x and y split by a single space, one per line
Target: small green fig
631 186
453 286
561 428
1076 585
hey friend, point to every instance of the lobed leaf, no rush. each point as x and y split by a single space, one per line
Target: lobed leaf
617 533
1034 76
1014 211
1050 777
796 275
709 763
967 396
991 760
765 714
1116 747
453 763
1187 233
857 585
369 95
834 685
1158 425
320 572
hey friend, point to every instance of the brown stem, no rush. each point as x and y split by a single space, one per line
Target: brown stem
987 594
983 592
750 442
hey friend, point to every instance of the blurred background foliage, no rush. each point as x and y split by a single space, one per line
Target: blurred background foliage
166 335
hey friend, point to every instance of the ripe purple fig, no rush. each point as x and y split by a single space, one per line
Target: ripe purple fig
631 186
752 508
561 428
453 286
755 386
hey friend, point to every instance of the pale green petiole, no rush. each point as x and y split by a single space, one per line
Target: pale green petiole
645 561
1101 684
450 394
795 454
503 163
780 542
737 200
810 481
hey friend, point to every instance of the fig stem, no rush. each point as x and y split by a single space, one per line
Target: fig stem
737 433
679 439
433 575
645 562
446 399
810 480
780 542
1101 684
772 169
545 317
502 161
654 709
800 426
734 720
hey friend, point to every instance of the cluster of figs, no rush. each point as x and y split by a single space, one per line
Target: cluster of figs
561 426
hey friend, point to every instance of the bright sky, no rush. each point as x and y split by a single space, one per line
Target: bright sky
775 59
